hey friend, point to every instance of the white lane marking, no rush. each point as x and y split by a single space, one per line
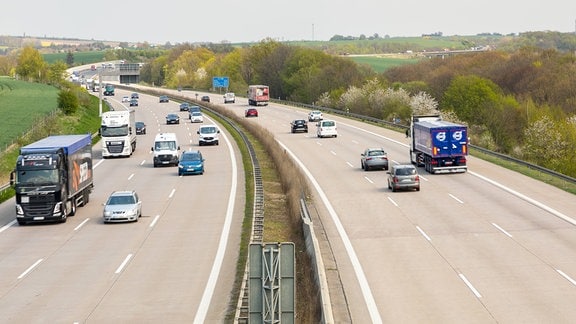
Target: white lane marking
526 198
219 259
143 161
501 229
155 220
350 164
123 264
333 153
423 233
455 198
566 277
358 270
98 163
81 224
368 179
172 193
470 285
355 142
30 269
392 201
131 176
5 227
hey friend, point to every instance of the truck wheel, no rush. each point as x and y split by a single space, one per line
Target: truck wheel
73 208
86 198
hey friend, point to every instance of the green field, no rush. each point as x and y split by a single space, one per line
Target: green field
383 63
80 58
21 105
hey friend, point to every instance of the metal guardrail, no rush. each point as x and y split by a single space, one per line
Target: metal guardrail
526 164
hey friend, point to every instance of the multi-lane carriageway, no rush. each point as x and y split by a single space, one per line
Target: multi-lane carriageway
486 246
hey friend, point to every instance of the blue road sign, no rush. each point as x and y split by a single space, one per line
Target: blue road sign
220 82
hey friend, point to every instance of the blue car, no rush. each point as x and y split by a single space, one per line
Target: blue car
191 162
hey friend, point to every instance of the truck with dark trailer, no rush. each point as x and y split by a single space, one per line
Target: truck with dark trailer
53 177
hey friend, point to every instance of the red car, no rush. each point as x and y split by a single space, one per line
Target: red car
251 112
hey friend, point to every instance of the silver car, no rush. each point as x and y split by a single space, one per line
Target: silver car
122 206
374 158
403 176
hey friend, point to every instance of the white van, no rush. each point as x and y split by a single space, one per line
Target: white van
229 97
165 149
326 128
208 135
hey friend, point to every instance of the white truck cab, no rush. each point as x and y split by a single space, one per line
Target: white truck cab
165 149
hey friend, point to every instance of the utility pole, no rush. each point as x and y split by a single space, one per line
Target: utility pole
99 93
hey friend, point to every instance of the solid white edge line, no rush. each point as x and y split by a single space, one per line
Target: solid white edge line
526 198
123 264
360 276
30 268
218 260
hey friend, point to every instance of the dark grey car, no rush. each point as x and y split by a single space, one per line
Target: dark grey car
374 158
172 119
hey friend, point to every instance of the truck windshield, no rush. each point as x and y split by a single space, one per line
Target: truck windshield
114 131
38 176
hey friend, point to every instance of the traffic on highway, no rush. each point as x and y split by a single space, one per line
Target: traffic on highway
483 246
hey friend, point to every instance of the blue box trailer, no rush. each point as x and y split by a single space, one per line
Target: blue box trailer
52 177
438 145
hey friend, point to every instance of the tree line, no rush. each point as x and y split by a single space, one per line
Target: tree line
520 102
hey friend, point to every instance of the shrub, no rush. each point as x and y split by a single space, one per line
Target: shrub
68 101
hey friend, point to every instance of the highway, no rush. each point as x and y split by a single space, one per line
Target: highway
486 246
176 264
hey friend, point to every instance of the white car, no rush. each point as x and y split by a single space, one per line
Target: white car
196 117
326 128
315 115
208 135
125 99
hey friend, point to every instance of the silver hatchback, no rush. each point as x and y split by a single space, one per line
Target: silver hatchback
122 206
374 158
403 176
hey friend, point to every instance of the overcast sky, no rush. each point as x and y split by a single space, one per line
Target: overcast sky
179 21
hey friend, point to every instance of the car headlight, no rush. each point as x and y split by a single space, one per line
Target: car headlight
107 213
